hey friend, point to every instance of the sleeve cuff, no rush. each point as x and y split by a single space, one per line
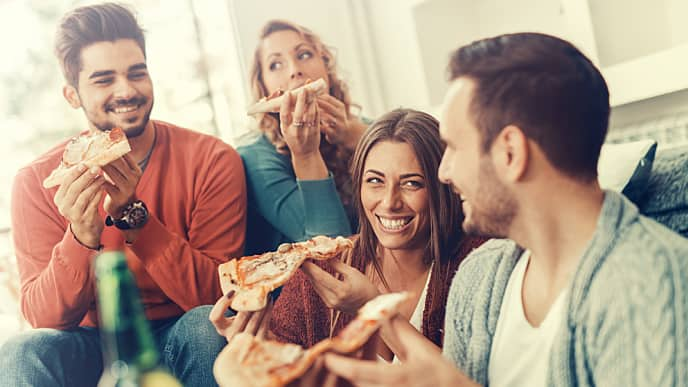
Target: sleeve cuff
323 207
152 240
73 253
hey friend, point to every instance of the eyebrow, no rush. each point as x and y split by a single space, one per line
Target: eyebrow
298 47
135 67
404 176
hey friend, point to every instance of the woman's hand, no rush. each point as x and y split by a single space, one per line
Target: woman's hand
335 123
256 323
347 294
300 124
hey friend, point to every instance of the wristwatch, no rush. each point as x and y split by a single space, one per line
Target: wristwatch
134 215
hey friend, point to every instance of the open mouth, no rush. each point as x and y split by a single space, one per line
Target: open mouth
394 224
124 107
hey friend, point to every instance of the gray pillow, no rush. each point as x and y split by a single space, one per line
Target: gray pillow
666 197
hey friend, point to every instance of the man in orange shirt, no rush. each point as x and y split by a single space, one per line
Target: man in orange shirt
187 189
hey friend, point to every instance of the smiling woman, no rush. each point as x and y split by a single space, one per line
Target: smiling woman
410 240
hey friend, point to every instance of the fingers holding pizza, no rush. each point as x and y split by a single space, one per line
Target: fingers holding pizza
251 361
77 199
300 123
123 177
346 294
255 323
81 181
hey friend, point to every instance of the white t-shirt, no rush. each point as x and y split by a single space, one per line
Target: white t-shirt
520 353
417 317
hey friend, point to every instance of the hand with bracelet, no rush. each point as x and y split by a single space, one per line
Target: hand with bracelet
77 199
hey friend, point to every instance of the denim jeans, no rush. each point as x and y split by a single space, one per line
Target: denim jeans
48 357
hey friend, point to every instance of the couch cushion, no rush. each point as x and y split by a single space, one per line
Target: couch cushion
626 167
666 196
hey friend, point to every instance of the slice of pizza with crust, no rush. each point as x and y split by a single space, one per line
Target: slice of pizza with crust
97 148
252 278
266 363
272 103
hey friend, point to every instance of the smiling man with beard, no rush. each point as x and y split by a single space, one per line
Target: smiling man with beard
187 189
586 291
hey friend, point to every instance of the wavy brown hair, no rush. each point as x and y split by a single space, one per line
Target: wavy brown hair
336 157
421 131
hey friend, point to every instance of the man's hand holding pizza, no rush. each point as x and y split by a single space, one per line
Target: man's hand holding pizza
418 355
124 174
347 294
77 199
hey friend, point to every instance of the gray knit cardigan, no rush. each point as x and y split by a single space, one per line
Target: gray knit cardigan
627 308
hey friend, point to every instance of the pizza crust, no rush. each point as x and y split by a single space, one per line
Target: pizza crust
267 363
112 152
273 105
252 278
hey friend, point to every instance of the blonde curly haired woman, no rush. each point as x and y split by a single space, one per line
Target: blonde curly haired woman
296 170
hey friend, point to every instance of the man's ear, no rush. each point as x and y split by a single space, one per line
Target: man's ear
510 153
72 96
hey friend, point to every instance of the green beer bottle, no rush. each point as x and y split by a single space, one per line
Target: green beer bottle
130 357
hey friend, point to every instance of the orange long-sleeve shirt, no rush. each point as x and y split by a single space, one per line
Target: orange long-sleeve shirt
195 191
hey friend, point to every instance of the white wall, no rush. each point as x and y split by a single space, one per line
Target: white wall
444 25
395 52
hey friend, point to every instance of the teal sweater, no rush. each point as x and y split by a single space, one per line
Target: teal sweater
282 208
627 316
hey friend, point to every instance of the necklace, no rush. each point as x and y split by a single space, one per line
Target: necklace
144 163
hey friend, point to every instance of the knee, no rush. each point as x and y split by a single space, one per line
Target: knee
25 350
195 331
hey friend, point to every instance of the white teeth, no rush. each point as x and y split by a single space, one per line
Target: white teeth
124 109
394 224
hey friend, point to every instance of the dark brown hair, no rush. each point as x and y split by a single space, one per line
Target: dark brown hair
545 86
87 25
420 131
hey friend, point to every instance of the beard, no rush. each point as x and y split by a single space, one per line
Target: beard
130 132
493 209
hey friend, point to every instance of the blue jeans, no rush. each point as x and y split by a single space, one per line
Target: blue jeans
49 357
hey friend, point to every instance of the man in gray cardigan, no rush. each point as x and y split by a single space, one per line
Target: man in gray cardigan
586 291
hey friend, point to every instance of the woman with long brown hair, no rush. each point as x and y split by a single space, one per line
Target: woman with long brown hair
302 153
410 240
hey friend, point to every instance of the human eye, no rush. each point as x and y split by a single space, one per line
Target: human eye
276 65
413 184
305 54
373 180
138 75
103 81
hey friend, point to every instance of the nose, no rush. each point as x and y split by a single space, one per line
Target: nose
392 199
296 71
124 89
441 170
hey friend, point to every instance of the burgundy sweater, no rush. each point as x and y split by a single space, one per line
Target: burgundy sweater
300 316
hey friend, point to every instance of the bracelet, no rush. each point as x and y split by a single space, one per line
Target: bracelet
99 248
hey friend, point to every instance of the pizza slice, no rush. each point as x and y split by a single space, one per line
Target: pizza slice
97 148
272 103
256 362
252 278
